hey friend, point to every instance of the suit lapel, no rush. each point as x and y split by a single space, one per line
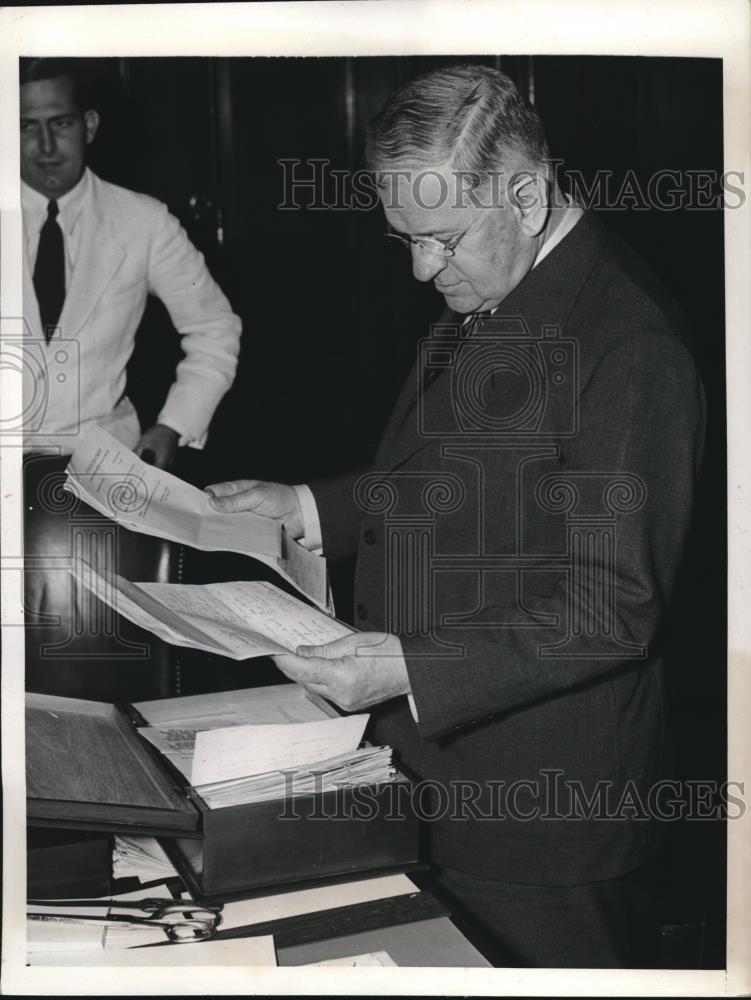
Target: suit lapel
403 436
99 259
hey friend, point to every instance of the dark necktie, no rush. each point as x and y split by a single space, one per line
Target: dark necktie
49 271
471 321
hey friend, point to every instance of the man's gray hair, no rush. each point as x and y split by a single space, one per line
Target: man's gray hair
471 118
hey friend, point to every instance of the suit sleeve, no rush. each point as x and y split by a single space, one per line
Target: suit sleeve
641 413
339 514
177 274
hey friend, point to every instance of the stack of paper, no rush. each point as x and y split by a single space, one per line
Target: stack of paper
118 484
141 858
231 752
265 743
256 763
49 933
368 766
239 620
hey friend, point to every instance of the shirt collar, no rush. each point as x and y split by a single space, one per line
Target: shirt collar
69 205
569 219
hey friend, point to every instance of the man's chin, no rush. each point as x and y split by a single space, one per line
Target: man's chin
460 303
51 184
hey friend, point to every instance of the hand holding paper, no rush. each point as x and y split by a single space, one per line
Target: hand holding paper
274 500
354 671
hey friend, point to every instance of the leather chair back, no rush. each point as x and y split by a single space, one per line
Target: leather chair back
76 646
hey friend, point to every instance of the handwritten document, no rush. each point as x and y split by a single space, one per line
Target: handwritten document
114 481
240 620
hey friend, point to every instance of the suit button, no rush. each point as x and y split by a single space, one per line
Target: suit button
361 612
368 537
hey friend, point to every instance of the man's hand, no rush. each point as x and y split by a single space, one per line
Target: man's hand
158 446
274 500
354 672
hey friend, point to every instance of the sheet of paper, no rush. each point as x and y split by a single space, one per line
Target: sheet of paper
223 754
239 620
175 721
132 603
372 959
279 906
177 745
118 484
246 615
274 703
45 934
250 952
140 857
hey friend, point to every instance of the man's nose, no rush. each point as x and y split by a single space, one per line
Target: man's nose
47 142
426 265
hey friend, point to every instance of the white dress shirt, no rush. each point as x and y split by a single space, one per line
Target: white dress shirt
119 247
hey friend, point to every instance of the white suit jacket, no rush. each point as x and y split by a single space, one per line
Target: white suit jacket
129 246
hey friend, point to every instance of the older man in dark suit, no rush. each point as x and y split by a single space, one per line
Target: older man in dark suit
519 534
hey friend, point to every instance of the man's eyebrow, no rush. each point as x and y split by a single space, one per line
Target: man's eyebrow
52 118
437 233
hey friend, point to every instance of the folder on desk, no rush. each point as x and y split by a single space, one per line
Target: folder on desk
88 768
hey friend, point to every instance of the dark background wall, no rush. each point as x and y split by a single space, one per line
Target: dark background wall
331 316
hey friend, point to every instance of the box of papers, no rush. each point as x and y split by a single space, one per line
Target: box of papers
337 809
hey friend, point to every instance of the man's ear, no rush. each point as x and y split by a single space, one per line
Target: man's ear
528 197
91 121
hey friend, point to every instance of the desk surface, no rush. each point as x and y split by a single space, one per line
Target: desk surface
430 943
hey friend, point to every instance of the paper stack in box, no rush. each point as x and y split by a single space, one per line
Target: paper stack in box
141 858
368 766
236 751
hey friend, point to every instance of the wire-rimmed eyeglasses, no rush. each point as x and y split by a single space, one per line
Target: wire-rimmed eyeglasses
429 244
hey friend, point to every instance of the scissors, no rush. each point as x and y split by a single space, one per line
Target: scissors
182 921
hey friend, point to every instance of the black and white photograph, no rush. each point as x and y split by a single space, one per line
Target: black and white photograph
372 464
